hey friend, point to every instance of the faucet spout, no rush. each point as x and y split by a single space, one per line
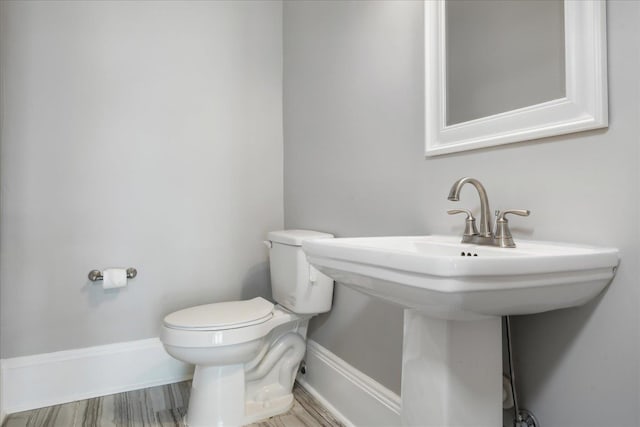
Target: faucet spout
485 213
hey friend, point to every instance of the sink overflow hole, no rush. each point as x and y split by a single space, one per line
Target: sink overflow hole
468 254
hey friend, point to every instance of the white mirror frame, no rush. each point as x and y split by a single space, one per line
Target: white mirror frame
584 107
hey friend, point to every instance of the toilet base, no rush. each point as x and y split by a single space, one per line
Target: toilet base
217 396
258 382
217 399
258 411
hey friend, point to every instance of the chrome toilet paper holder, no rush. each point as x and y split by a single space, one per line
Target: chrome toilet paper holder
96 275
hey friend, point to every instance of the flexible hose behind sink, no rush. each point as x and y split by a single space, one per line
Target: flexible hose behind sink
522 417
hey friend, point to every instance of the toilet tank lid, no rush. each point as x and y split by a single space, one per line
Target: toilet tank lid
296 237
221 315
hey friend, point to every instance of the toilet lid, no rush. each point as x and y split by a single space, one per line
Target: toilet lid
221 315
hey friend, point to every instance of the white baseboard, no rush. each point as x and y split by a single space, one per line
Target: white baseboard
353 397
41 380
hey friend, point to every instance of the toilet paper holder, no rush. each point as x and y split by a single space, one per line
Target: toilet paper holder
95 275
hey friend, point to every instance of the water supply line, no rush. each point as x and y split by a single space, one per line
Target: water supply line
522 417
512 377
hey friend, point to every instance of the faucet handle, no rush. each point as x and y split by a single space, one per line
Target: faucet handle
464 211
502 235
470 229
521 212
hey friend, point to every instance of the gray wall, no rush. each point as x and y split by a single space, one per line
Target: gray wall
145 134
354 165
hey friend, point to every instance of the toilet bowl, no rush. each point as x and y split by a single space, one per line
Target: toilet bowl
232 385
247 352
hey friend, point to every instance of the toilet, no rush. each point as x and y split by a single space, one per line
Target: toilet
247 352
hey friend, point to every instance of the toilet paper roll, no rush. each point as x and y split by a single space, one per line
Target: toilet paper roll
114 278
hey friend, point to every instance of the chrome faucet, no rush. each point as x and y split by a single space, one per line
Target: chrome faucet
485 236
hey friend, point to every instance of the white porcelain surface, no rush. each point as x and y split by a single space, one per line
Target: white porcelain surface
296 237
454 294
192 338
429 273
221 315
243 374
247 352
294 283
451 372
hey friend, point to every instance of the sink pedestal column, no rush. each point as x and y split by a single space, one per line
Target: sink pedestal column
451 372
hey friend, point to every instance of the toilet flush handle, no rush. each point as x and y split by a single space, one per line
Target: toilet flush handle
268 243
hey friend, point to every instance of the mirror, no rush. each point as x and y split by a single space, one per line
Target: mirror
498 60
502 71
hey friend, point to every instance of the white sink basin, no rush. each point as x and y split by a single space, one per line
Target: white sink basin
452 280
454 295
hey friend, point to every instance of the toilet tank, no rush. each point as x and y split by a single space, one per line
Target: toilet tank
295 284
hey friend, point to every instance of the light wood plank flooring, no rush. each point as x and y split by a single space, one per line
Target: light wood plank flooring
163 406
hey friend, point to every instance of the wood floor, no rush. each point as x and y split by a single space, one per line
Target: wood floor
163 406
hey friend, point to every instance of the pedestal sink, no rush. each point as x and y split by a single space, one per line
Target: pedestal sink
454 295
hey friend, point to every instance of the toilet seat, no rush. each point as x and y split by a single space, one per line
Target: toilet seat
211 338
221 316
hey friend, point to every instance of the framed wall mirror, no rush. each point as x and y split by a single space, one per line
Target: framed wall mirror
503 71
